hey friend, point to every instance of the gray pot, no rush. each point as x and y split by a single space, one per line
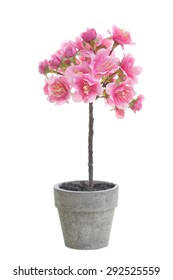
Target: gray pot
86 216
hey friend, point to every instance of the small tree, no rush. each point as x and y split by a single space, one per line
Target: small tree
87 69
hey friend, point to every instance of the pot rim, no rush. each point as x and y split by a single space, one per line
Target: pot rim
57 186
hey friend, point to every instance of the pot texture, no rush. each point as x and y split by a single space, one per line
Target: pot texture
86 216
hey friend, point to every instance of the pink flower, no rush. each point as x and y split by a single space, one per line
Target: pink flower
80 45
119 96
103 42
103 64
57 89
86 88
131 71
121 36
89 35
89 67
55 62
86 55
82 68
137 103
43 66
119 113
69 49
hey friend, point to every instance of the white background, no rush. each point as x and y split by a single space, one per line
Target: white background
43 144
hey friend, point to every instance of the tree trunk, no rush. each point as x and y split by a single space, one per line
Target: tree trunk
90 146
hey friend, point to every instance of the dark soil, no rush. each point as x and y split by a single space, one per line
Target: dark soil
84 186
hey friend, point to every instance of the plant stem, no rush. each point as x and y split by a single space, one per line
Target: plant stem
115 44
90 146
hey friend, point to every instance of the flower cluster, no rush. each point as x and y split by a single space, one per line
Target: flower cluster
87 69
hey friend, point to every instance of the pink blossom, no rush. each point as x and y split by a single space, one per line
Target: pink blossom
89 35
137 104
59 54
103 64
86 55
81 46
68 49
86 88
119 96
89 67
103 42
119 113
121 36
131 71
79 43
43 66
55 62
57 89
82 68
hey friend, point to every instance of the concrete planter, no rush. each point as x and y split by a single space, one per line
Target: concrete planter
86 216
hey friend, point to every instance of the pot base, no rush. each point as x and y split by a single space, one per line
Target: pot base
86 231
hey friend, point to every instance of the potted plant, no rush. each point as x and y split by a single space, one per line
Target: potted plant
85 70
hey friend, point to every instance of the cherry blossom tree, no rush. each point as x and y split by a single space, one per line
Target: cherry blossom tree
87 69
